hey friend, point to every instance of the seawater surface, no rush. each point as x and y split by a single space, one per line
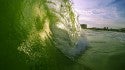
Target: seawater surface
106 50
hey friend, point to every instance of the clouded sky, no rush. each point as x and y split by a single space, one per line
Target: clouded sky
101 13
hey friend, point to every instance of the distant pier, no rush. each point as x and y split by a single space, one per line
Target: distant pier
84 26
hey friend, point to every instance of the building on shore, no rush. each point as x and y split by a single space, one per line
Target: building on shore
84 26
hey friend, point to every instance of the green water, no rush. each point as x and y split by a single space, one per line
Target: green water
38 35
106 51
29 34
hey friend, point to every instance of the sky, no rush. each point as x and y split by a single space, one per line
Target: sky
101 13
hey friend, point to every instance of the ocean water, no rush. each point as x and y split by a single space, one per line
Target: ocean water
39 35
45 35
106 50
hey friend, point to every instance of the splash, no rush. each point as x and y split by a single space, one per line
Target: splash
60 21
39 33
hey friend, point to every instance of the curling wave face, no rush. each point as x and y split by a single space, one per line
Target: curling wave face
37 33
